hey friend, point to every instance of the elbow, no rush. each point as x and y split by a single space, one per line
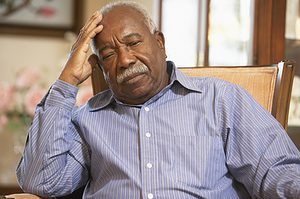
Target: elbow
43 188
31 186
27 184
36 190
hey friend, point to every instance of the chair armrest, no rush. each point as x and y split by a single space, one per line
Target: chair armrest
22 196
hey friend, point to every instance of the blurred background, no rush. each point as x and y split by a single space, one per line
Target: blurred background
36 35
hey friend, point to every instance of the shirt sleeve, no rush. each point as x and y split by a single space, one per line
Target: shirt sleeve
259 153
56 159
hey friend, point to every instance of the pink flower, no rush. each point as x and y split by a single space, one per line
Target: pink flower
6 96
27 77
84 94
32 98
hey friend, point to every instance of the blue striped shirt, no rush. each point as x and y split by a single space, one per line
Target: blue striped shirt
197 138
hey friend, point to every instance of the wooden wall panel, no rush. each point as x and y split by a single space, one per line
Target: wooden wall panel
269 31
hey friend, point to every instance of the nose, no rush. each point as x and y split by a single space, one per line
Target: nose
125 58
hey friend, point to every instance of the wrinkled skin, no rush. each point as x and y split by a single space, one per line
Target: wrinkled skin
127 42
122 41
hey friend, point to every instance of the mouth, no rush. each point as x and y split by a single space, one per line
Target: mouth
133 78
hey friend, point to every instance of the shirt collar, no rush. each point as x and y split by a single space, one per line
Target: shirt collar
181 78
106 97
100 100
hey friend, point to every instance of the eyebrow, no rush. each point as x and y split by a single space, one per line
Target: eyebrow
124 38
103 48
132 35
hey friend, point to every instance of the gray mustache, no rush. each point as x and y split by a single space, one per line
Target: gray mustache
139 68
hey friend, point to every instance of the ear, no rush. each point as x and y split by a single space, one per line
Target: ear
159 36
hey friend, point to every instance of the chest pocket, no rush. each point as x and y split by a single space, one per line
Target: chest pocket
192 160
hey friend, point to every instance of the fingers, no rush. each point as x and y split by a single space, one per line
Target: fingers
91 23
95 18
77 67
88 32
89 36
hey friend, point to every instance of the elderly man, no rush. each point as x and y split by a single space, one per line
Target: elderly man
155 133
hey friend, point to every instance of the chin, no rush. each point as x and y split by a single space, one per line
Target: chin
136 96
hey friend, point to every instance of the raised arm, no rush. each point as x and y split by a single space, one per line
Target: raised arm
79 66
56 159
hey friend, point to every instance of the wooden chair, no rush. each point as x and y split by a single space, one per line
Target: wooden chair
270 85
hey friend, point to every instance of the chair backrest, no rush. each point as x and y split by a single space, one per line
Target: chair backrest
270 85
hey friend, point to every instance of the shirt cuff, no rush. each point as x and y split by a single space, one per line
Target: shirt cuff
62 95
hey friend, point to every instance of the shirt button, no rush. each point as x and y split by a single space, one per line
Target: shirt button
149 165
148 135
150 195
147 109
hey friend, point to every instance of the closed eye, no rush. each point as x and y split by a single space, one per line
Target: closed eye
107 56
134 43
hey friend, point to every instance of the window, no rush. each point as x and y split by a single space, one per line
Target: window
208 32
179 23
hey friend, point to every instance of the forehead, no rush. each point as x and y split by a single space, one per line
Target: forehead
122 18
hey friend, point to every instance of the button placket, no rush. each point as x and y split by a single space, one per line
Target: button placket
147 153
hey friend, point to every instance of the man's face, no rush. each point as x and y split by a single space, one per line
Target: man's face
132 58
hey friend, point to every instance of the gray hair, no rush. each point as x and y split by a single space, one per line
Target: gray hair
137 7
131 4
